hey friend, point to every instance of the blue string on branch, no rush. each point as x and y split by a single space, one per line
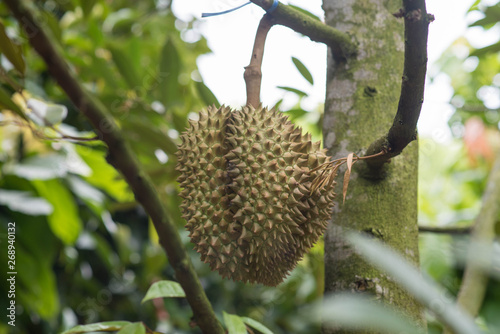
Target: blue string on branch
273 7
269 10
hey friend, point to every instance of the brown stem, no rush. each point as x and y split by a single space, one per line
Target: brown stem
330 168
253 72
123 159
444 230
341 43
404 127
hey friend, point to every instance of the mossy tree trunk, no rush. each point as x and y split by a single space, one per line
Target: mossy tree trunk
361 101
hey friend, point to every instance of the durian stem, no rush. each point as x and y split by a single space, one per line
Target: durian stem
125 161
330 169
342 45
253 72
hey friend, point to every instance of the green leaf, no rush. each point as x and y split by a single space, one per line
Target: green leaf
234 324
207 96
7 103
164 289
94 198
486 50
11 51
49 166
39 167
256 325
170 66
278 104
492 17
356 312
125 67
64 221
426 291
293 90
39 292
103 175
149 134
87 6
43 295
475 6
108 326
303 70
46 113
135 328
24 202
293 114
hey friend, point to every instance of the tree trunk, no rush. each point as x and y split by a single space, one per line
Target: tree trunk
361 101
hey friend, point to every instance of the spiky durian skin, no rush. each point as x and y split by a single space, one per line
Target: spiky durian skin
247 199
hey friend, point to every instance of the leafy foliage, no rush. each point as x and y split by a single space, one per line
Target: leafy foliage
163 289
476 81
451 186
89 254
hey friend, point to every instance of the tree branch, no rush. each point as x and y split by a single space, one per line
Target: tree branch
475 279
253 72
404 128
444 230
124 160
341 43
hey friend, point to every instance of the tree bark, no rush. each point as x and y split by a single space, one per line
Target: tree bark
361 101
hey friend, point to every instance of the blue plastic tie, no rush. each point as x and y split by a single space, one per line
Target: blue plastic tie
273 7
269 10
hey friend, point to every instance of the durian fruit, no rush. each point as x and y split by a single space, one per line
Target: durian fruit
246 192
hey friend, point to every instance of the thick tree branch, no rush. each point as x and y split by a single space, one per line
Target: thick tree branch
253 72
404 128
124 160
341 43
475 279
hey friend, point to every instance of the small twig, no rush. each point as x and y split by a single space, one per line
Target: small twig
445 230
329 170
253 72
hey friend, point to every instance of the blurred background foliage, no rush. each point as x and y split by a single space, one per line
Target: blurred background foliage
85 249
452 176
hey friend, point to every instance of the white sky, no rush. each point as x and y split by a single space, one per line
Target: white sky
231 37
